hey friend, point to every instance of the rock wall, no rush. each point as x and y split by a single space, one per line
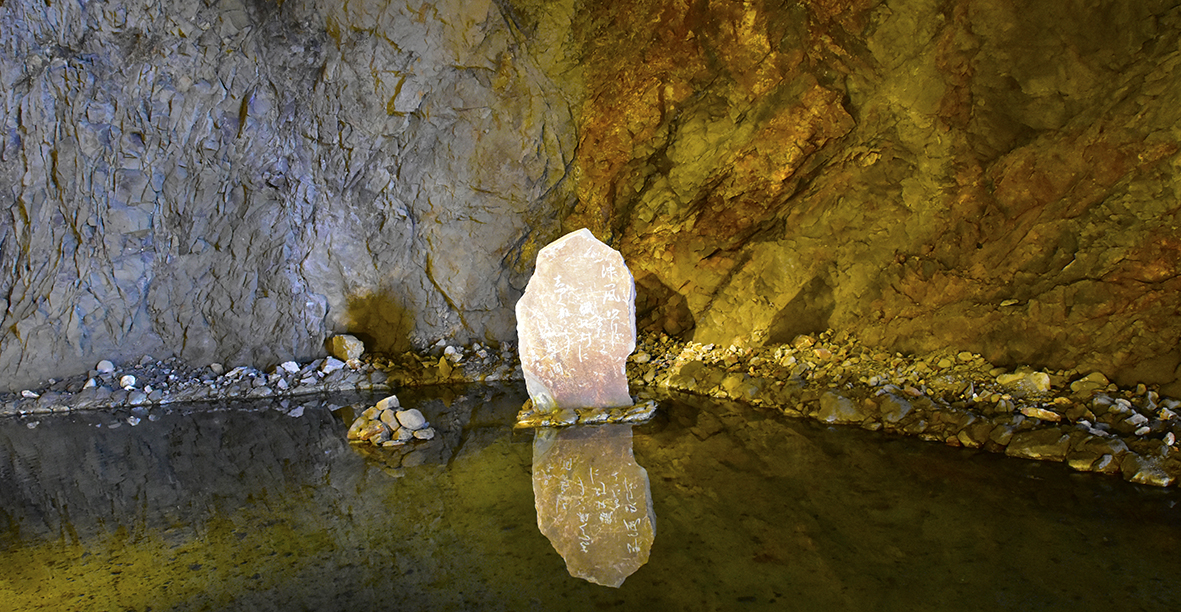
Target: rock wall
234 181
1000 177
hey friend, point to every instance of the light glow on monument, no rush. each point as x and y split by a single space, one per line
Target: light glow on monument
576 325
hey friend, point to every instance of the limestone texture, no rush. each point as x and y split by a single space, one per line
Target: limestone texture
576 325
235 182
593 501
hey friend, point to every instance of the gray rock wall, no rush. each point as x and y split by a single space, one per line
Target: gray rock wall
233 181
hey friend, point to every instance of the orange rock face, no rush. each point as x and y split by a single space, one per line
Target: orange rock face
988 177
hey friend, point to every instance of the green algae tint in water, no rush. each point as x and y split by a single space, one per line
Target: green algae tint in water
252 509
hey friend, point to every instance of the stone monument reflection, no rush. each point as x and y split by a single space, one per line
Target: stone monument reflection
593 501
576 325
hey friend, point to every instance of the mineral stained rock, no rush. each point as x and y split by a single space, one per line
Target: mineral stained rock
345 347
593 501
919 174
236 182
576 325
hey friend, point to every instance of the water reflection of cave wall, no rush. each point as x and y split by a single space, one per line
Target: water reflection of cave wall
90 472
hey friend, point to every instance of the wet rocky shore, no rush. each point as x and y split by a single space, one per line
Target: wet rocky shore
954 398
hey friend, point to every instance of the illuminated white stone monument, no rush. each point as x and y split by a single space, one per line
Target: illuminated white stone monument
576 325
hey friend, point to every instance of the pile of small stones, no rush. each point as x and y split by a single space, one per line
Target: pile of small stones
149 382
386 425
530 417
956 398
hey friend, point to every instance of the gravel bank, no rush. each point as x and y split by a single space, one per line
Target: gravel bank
954 398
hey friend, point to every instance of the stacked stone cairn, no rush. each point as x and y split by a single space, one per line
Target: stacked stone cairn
387 425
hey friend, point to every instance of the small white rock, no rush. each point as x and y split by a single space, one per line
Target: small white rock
127 381
389 403
296 412
104 367
425 434
1170 439
331 365
217 368
90 384
30 394
411 419
133 421
1143 431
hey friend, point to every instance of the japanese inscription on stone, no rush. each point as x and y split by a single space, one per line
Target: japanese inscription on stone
576 325
593 501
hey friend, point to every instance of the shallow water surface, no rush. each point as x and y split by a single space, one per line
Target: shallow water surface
254 507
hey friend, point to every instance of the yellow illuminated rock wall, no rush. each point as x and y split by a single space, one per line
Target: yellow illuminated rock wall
999 177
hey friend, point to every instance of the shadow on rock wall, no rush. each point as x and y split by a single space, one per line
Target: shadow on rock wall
659 309
381 321
807 313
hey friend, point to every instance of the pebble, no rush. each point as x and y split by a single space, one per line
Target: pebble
127 381
104 367
411 419
837 409
1034 412
331 364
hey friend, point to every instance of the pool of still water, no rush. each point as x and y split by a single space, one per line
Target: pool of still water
249 508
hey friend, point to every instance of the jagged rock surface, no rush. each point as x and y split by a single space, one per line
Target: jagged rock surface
999 177
237 182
